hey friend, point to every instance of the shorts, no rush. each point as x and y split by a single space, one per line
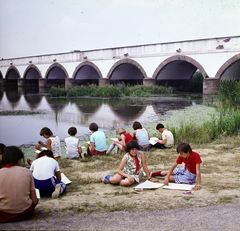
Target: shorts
96 152
48 186
182 176
25 215
145 148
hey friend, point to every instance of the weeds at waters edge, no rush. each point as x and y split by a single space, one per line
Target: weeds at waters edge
111 91
224 122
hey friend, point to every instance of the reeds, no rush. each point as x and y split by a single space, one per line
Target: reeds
224 122
111 91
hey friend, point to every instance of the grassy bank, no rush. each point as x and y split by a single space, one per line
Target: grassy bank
225 121
109 91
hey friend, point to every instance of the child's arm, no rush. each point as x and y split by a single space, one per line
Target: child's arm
58 175
134 135
48 146
80 149
33 196
198 186
145 168
123 143
92 146
166 179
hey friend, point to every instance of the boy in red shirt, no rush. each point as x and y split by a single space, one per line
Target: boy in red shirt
185 174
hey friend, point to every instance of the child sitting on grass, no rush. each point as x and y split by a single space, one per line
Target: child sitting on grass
184 174
73 144
52 144
129 170
97 144
121 143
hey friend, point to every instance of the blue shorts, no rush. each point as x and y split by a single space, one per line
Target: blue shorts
47 186
182 176
145 148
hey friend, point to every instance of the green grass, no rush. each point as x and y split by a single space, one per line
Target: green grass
109 91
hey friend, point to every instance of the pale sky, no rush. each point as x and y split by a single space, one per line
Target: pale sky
38 27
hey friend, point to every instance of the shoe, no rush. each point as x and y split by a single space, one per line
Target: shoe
56 192
106 181
29 161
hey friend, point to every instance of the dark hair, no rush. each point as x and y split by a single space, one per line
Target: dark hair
132 144
2 146
93 127
136 125
45 152
46 131
72 131
159 126
184 147
11 154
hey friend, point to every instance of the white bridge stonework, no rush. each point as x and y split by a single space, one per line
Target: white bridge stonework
164 63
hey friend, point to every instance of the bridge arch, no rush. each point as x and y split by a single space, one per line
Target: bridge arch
12 73
126 70
1 76
32 72
56 71
230 69
178 64
177 71
87 72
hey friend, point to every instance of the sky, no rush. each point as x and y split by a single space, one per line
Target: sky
38 27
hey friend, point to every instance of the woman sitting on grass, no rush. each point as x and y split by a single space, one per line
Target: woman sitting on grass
129 170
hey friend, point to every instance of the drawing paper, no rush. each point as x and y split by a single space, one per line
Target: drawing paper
148 185
186 187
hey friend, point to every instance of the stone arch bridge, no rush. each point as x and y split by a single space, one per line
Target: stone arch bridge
168 64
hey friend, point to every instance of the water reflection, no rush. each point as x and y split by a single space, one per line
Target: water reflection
61 113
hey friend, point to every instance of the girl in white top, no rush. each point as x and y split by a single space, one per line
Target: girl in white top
73 144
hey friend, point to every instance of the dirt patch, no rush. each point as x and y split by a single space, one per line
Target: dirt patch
220 183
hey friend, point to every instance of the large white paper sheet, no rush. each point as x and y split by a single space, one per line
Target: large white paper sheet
152 140
64 179
186 187
148 185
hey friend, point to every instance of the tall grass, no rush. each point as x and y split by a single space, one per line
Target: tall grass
111 91
224 122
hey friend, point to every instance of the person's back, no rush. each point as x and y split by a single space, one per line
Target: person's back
169 138
128 137
142 136
99 140
44 167
72 145
15 195
55 145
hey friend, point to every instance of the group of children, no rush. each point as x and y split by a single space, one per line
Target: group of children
45 173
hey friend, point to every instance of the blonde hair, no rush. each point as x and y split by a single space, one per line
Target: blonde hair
120 131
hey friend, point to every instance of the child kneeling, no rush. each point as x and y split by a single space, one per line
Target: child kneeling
129 170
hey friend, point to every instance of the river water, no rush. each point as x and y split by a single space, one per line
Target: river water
61 113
